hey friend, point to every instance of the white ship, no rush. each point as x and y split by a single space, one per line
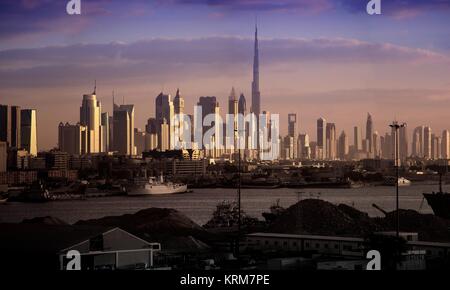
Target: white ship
156 187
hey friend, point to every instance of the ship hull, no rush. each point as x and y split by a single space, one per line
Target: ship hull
440 203
158 190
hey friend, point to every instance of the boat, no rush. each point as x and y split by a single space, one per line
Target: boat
158 187
390 181
36 193
439 202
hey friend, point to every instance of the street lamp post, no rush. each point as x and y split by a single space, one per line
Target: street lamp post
396 126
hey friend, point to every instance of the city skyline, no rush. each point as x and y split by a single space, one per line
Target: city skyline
355 70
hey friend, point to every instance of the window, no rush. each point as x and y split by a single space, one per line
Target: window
317 245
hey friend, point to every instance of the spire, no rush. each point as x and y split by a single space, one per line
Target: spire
178 93
232 94
95 87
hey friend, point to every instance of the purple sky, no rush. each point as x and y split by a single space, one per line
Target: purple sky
318 58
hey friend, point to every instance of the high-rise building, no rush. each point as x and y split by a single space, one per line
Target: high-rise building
376 145
256 94
5 124
304 151
139 141
403 143
90 117
210 107
164 111
343 146
124 129
242 105
15 127
72 139
292 132
321 138
435 147
427 143
28 122
331 141
3 156
445 150
418 142
233 110
105 133
357 139
369 135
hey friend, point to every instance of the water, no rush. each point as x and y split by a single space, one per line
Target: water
200 204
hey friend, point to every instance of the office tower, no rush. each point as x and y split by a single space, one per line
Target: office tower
242 105
3 156
178 105
210 106
435 147
233 109
403 143
292 132
124 129
387 147
256 95
357 141
427 142
321 138
418 142
445 150
28 122
72 138
15 127
165 110
139 141
376 144
343 146
331 141
164 141
111 132
369 135
105 132
90 117
5 124
151 130
304 151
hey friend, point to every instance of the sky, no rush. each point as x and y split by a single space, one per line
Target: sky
318 58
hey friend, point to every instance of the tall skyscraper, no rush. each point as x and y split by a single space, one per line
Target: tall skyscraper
321 138
357 139
418 142
376 145
436 147
164 111
292 132
445 150
403 143
331 141
304 151
256 94
210 106
343 146
124 129
15 127
90 117
233 109
242 105
5 124
72 139
105 133
369 134
3 156
427 143
28 121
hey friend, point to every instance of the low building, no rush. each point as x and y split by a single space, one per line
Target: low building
44 246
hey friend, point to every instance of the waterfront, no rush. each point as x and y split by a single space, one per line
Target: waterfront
200 204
